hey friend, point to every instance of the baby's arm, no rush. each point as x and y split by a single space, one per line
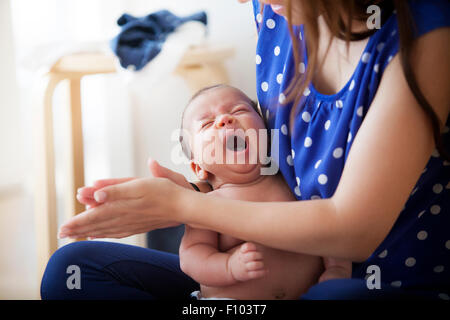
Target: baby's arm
203 262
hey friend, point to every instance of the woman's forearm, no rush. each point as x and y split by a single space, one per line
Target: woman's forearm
311 227
368 199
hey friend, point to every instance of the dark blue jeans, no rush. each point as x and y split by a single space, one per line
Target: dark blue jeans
118 271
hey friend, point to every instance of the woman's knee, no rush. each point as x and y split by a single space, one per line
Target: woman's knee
67 261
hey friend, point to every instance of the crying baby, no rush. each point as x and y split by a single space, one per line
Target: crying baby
221 136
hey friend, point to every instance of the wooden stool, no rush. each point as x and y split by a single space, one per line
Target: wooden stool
201 66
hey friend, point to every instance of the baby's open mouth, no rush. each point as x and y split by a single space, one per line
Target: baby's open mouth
236 143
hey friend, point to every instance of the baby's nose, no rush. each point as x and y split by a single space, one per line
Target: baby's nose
224 120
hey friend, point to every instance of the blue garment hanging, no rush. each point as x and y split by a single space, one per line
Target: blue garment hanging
141 39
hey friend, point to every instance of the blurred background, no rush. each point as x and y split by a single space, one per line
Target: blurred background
126 116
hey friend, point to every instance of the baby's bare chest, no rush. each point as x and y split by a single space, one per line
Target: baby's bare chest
273 189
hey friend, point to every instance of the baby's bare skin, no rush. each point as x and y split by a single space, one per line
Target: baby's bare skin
225 266
289 274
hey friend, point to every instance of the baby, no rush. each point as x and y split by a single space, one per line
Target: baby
226 267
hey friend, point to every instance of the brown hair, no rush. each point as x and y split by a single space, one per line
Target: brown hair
184 145
333 12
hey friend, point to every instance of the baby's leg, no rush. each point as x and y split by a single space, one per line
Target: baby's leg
336 269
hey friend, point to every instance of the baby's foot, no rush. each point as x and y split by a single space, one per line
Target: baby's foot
246 263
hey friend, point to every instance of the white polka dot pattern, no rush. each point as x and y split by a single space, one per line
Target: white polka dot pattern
270 23
323 132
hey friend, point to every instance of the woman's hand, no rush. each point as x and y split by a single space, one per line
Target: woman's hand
85 195
127 208
77 226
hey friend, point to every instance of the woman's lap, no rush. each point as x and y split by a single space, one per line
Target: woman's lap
356 289
118 271
115 271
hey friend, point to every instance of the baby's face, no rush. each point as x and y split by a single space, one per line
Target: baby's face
224 133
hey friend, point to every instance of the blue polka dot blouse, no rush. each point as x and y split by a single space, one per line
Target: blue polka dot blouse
416 253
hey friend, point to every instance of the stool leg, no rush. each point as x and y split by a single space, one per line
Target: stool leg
45 193
75 155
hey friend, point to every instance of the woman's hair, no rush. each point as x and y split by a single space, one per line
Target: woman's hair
339 16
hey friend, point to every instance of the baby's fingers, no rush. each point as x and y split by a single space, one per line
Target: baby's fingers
87 201
85 195
98 184
87 192
251 256
254 266
248 246
257 274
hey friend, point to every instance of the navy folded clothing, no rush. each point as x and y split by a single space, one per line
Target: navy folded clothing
141 39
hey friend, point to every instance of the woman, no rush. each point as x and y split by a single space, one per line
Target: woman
363 115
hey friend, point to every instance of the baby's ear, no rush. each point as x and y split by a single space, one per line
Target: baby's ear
199 172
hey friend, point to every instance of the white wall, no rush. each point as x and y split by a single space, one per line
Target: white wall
120 131
10 141
156 115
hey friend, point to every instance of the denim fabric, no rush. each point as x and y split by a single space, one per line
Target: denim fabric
141 39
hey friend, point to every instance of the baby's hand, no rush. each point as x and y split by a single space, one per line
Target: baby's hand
246 263
85 195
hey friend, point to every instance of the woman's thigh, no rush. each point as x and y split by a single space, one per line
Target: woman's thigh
114 271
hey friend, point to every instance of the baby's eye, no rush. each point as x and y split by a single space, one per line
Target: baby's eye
207 124
241 110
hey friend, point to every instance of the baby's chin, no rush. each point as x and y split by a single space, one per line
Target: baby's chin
236 173
244 168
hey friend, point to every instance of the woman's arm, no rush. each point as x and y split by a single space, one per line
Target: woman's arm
388 155
85 195
387 158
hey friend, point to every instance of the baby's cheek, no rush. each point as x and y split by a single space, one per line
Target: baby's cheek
258 127
196 148
204 149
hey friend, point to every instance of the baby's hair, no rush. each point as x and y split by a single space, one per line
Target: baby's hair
184 145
